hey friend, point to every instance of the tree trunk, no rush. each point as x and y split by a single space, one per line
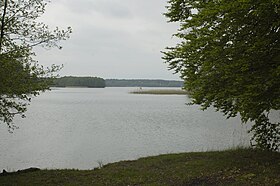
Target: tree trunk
3 24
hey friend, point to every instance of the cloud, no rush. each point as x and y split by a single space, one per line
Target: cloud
108 8
111 38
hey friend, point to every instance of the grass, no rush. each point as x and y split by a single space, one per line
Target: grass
231 167
161 92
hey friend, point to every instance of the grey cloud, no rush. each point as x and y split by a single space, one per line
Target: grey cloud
111 8
111 38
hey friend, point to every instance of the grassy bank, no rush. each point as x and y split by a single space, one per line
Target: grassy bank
233 167
161 92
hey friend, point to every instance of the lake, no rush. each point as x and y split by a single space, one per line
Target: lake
81 128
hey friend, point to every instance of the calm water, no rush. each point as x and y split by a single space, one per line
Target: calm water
79 127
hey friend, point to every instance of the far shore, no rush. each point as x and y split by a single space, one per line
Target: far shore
161 91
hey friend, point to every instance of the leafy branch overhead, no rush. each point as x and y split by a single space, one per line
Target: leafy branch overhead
229 58
21 77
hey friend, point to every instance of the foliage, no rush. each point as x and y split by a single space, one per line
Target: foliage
229 58
93 82
21 77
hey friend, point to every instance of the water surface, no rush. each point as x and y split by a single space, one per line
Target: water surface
79 127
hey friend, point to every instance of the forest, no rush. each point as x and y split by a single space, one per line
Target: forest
97 82
70 81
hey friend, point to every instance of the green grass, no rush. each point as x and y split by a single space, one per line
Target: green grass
232 167
161 92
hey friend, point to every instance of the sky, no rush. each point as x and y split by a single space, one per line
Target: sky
120 39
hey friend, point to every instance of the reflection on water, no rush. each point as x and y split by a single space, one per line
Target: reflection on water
79 127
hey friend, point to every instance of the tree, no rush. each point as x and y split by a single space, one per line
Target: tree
91 82
21 77
229 58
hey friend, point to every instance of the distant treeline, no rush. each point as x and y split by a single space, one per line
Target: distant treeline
142 83
96 82
70 81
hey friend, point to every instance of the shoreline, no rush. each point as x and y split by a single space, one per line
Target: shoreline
230 167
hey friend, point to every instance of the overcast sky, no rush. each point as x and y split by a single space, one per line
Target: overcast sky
111 38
